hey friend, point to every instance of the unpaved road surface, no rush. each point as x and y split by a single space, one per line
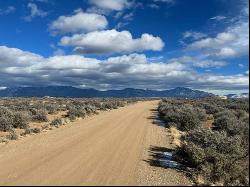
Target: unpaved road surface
105 149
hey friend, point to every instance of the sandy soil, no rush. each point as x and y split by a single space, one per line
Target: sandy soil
106 149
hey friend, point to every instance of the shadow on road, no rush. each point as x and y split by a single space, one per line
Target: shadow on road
156 119
165 158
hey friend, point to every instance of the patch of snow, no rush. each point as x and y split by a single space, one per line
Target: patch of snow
168 161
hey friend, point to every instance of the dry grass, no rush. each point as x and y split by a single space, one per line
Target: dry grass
175 136
200 181
209 122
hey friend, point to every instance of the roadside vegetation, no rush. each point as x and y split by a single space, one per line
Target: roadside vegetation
23 116
218 151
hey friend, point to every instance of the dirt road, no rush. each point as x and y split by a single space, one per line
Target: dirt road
105 149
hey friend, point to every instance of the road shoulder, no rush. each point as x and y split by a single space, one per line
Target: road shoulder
158 138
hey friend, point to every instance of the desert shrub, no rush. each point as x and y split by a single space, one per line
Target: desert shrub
216 156
107 106
238 104
185 116
52 109
9 119
33 111
90 109
6 124
245 120
6 119
35 130
219 154
57 122
27 131
40 115
120 104
241 114
13 110
211 108
19 106
71 117
113 104
227 121
225 112
12 136
74 113
3 140
20 120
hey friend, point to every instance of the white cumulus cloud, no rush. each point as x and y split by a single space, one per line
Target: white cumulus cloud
220 40
79 22
116 5
22 68
112 41
12 57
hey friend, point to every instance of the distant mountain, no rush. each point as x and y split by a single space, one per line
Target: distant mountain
238 96
67 91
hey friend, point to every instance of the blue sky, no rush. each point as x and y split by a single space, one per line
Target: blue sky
114 44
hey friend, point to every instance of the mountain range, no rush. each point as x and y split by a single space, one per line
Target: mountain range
68 91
